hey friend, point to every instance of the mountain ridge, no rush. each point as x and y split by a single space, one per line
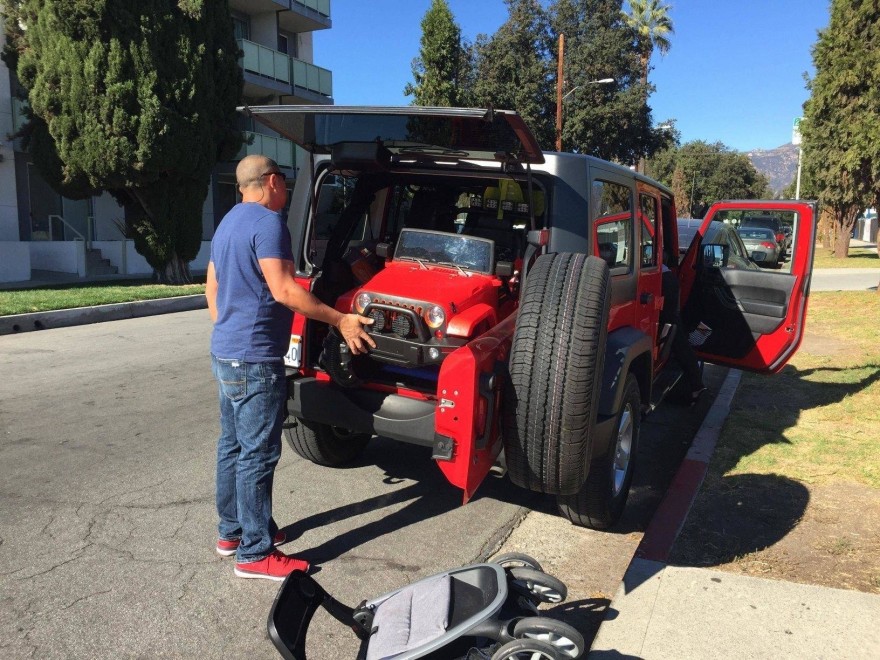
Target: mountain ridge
779 165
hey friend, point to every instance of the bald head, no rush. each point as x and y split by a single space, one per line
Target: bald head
250 168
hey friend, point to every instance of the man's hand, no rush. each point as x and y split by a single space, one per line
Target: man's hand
351 327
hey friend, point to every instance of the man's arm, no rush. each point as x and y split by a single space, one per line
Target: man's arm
279 274
211 291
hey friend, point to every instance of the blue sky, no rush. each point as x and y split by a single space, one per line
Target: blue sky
734 72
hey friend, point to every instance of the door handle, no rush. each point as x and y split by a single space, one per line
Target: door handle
646 298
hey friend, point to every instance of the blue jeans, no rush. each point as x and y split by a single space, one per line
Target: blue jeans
252 397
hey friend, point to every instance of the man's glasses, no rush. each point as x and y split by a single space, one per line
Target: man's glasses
281 174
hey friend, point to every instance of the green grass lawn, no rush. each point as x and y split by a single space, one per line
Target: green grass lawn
817 421
22 301
859 257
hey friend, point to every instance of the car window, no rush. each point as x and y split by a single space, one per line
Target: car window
612 212
648 230
756 233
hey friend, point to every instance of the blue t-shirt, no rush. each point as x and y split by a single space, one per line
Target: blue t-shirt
250 325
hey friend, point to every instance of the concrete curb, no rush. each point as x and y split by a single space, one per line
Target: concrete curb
84 315
647 564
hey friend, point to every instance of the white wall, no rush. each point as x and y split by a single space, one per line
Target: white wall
8 201
59 256
305 48
106 210
202 258
264 29
15 265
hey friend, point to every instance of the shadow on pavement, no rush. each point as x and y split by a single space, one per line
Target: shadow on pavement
737 514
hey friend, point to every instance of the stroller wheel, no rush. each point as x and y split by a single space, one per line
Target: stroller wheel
537 585
517 560
527 649
560 635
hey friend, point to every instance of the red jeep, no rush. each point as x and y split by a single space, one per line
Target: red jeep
516 297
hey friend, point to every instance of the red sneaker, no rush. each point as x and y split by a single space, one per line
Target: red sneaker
276 566
227 547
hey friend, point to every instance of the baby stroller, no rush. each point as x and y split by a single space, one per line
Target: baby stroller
479 612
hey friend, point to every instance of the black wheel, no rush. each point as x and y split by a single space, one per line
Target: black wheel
517 560
324 444
600 503
527 649
537 585
563 637
556 362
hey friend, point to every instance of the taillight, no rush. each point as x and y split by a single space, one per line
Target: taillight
768 245
780 238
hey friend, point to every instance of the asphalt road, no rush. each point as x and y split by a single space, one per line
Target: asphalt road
107 436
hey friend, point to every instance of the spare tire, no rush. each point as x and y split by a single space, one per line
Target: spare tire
556 363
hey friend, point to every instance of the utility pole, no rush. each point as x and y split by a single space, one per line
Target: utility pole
560 81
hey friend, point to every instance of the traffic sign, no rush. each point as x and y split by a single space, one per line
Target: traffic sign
796 131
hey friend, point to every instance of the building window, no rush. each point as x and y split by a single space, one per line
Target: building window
241 27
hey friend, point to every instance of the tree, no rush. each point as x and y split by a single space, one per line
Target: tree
440 71
609 121
705 173
514 69
133 98
841 132
651 22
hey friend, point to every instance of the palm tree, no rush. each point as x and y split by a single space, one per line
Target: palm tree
651 21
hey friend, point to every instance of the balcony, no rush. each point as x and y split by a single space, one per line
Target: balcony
293 15
278 73
278 149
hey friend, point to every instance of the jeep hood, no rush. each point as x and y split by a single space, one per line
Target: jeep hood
434 284
448 134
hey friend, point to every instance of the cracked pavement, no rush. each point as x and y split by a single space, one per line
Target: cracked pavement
107 440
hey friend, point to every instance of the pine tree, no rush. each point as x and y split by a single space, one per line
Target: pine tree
133 98
514 69
440 70
609 121
841 130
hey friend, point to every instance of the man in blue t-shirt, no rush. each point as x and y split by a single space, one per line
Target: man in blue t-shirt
252 295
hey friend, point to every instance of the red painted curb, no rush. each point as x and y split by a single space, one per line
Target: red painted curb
670 516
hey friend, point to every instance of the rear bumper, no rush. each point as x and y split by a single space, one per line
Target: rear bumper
363 411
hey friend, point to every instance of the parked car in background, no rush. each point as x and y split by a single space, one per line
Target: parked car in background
773 223
718 233
762 246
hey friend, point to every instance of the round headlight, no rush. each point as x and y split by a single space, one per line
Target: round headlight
402 325
361 302
378 317
435 316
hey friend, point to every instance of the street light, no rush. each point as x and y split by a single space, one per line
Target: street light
561 98
603 81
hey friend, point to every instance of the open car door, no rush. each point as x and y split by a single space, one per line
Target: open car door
750 318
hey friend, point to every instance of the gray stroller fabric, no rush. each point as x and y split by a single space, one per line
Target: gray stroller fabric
413 616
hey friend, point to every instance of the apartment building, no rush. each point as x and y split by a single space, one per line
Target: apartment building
43 231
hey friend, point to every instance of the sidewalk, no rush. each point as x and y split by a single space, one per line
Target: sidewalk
663 611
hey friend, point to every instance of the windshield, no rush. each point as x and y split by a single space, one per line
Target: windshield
441 248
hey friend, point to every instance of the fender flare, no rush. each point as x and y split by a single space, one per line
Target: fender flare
623 348
463 324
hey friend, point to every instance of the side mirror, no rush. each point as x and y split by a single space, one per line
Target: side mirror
383 250
504 269
715 256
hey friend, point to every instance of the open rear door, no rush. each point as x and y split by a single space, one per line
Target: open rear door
750 318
